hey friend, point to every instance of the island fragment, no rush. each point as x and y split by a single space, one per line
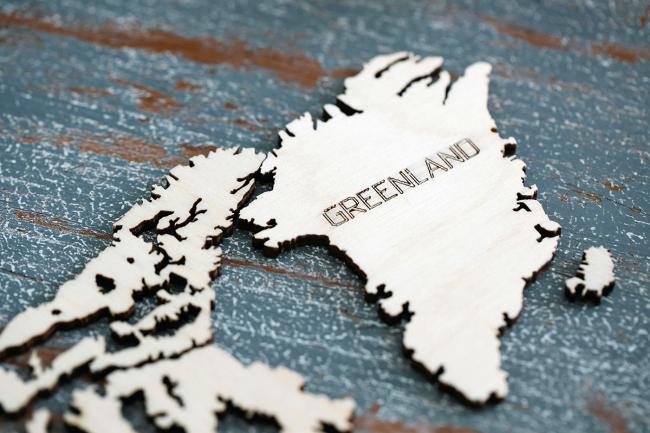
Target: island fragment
595 276
190 391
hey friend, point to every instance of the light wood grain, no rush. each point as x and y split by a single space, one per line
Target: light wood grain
420 194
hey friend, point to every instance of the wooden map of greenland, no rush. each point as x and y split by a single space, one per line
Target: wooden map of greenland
413 184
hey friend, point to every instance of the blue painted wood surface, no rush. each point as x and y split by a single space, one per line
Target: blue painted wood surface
98 99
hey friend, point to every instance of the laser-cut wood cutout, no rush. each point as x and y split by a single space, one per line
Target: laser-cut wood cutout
422 196
190 391
595 276
200 376
17 393
190 215
39 421
150 347
185 249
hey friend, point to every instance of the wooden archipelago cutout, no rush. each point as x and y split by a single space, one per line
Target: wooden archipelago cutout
190 391
190 216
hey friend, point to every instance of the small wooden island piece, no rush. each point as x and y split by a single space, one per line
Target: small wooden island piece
595 276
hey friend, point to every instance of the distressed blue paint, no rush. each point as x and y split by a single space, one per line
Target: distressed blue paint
580 119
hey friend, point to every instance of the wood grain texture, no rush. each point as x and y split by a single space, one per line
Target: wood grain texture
418 192
83 137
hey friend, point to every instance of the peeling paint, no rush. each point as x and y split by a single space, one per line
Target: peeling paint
59 224
295 68
371 424
620 52
246 124
129 148
610 186
643 19
121 146
190 151
595 198
186 85
225 261
604 411
90 91
548 41
532 37
152 100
